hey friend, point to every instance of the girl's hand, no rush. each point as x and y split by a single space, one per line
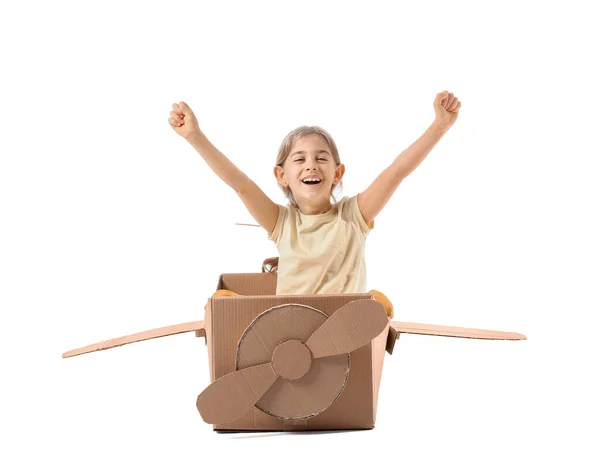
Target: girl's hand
446 107
183 121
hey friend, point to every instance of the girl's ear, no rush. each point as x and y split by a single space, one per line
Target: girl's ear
279 175
339 172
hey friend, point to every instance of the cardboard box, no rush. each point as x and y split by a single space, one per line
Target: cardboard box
286 362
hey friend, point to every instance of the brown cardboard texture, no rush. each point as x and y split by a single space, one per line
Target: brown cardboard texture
293 362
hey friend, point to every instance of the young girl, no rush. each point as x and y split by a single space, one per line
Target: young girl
321 245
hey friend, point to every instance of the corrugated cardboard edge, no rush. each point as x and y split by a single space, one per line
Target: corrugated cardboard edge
209 338
377 358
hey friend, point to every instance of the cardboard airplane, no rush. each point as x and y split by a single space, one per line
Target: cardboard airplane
293 362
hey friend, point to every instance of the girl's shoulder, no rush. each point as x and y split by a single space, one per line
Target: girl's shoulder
350 212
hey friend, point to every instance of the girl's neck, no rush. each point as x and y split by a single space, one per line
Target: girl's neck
314 209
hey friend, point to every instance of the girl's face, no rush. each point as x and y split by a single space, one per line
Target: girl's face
310 157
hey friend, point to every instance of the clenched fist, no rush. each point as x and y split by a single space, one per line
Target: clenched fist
183 121
446 107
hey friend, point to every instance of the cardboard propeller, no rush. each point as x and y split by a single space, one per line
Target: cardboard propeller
306 358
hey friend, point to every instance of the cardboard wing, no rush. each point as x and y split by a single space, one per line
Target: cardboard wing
197 326
396 328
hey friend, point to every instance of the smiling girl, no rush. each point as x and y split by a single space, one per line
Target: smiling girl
321 244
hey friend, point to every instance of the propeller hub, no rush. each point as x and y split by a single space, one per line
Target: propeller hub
291 359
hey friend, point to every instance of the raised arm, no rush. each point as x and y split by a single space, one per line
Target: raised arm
260 206
375 197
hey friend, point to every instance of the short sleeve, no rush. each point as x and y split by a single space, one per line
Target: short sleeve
276 233
358 217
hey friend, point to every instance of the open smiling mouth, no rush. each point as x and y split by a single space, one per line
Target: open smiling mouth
311 182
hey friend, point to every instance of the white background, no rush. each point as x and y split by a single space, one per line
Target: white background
112 224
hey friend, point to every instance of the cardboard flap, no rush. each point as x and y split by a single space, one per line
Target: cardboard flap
451 331
197 326
391 339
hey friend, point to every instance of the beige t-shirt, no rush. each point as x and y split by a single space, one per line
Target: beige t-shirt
322 253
